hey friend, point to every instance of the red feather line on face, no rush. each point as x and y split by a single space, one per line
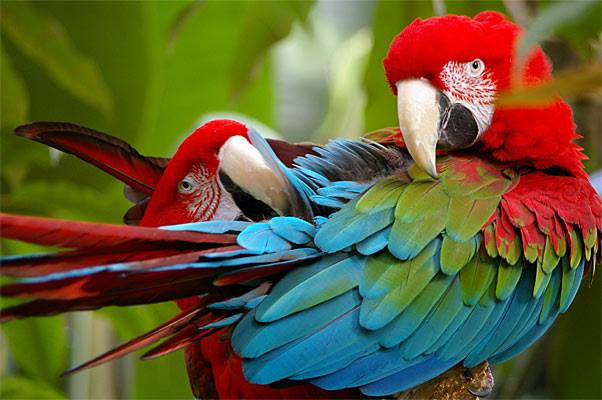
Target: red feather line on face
112 155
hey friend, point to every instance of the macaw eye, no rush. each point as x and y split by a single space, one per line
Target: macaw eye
186 186
476 67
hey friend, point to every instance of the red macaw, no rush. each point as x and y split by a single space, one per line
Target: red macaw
408 269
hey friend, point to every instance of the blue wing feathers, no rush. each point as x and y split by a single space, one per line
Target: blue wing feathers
409 377
409 320
337 362
323 285
374 243
252 339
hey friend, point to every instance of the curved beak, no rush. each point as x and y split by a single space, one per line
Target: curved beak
428 119
242 163
419 115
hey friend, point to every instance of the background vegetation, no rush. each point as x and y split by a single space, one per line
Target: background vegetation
149 72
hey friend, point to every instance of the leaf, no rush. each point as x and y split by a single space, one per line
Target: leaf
19 387
14 97
389 18
39 347
264 24
570 84
44 40
183 17
347 96
69 201
549 20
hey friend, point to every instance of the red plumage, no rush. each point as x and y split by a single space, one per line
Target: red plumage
88 235
110 154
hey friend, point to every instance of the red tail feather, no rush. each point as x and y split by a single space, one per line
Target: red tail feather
182 339
108 153
63 233
28 267
167 328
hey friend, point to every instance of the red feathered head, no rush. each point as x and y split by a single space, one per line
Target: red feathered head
189 189
447 71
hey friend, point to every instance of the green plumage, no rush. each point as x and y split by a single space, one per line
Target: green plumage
406 281
419 200
576 248
455 255
541 280
550 297
568 278
383 195
476 277
450 249
550 258
507 278
467 216
308 286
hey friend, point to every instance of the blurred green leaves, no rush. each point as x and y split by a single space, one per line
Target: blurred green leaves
550 20
575 83
45 42
14 98
39 347
266 23
17 387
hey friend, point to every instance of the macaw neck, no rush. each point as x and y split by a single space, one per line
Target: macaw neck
540 138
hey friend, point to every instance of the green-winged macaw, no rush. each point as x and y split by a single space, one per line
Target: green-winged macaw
457 239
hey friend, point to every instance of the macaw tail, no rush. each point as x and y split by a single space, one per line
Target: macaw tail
223 268
108 153
126 265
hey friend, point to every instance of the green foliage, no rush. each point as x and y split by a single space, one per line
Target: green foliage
15 101
18 387
45 42
149 71
39 347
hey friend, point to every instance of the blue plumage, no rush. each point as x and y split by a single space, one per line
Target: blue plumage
348 226
338 361
252 339
374 243
210 226
409 377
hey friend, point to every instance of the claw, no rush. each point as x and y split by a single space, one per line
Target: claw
481 392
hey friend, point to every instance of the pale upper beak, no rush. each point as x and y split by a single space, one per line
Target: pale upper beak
428 119
419 115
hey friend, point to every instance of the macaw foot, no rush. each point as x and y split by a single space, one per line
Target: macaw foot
459 383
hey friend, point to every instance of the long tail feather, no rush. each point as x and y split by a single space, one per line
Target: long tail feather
166 329
74 234
106 152
36 265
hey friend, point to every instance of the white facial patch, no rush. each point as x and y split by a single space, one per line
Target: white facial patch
474 91
243 163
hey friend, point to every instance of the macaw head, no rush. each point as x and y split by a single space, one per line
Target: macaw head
190 190
446 73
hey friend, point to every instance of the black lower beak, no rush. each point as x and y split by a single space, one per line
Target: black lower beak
458 127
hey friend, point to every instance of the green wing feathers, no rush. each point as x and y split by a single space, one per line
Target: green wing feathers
483 230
